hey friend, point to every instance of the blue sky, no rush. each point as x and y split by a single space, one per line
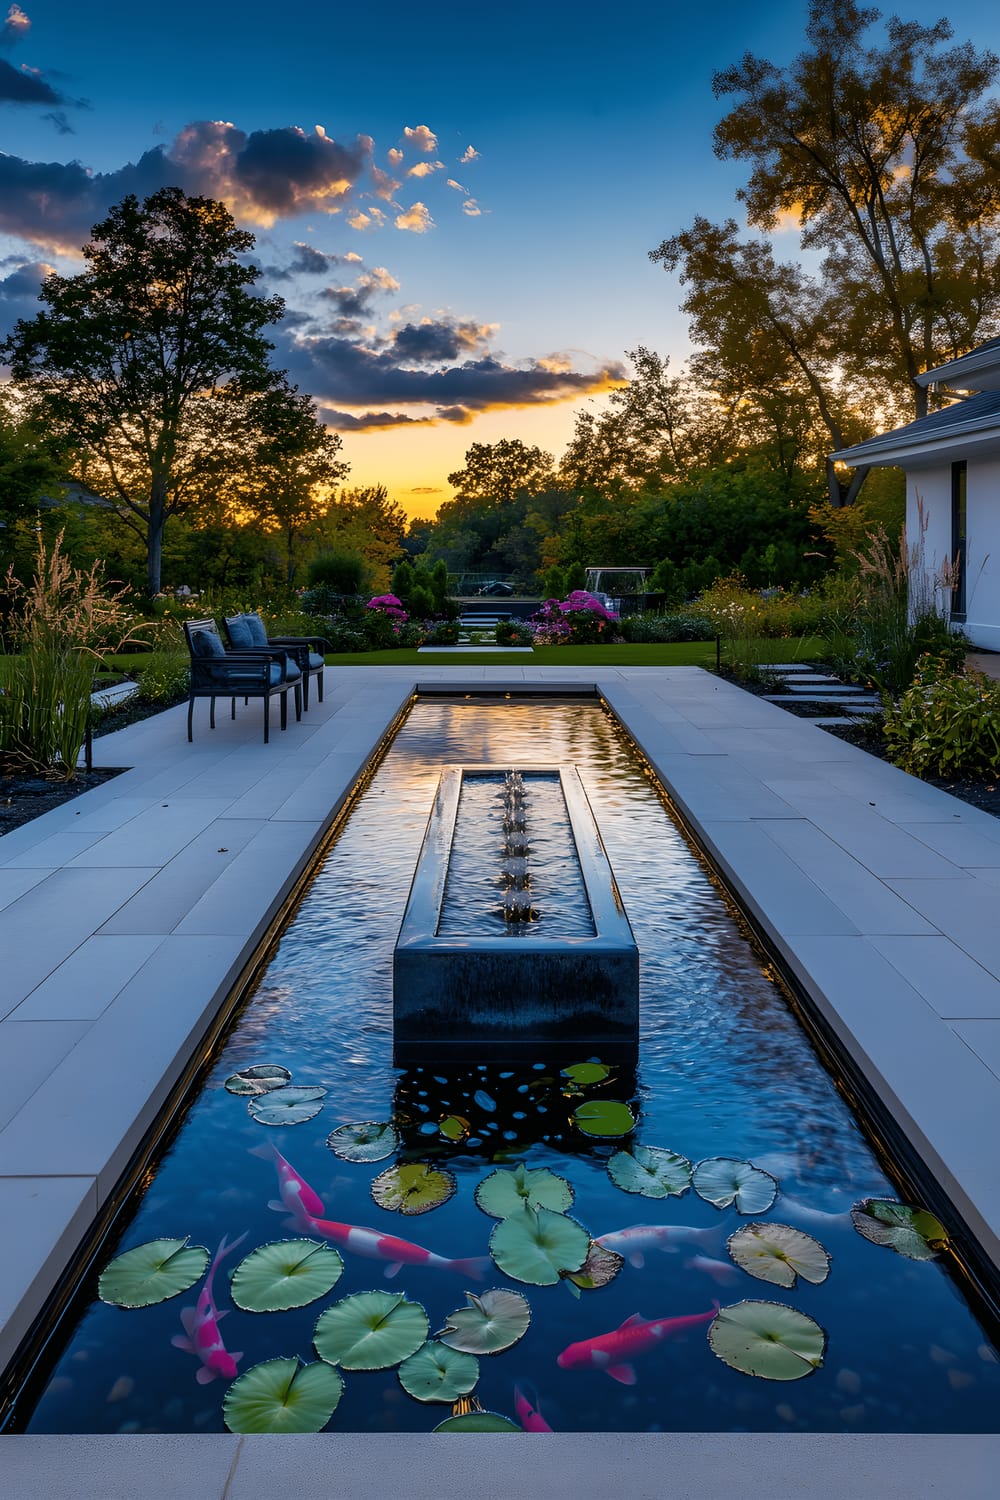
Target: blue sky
464 245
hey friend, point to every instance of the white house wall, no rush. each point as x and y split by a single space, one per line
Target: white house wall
929 489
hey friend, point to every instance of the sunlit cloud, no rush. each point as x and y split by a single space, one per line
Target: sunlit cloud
25 86
417 219
425 168
422 137
372 218
16 24
469 154
456 185
394 156
385 185
471 207
434 340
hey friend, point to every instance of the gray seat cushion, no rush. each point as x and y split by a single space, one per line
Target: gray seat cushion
292 673
256 627
240 633
315 660
207 643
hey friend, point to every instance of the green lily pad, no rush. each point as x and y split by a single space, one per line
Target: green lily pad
587 1073
413 1187
260 1079
454 1127
288 1106
152 1273
600 1267
912 1232
650 1170
767 1339
438 1373
723 1181
537 1246
371 1140
492 1321
779 1254
503 1193
284 1274
283 1395
477 1421
608 1117
370 1331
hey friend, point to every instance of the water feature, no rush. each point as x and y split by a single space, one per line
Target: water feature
724 1070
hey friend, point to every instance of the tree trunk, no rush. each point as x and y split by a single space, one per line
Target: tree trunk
154 532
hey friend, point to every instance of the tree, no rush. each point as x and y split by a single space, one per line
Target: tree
294 468
367 521
484 526
31 468
145 357
498 473
885 157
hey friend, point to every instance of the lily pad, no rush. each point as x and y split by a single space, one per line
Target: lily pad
651 1171
767 1339
413 1187
371 1140
587 1073
370 1331
288 1106
492 1321
537 1246
503 1193
438 1373
260 1079
284 1274
477 1421
454 1127
600 1267
779 1254
723 1181
152 1273
912 1232
283 1395
607 1117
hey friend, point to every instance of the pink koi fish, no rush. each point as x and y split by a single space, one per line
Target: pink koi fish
529 1416
297 1197
201 1334
632 1242
612 1352
721 1271
377 1246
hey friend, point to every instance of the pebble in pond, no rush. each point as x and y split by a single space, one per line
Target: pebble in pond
121 1390
848 1381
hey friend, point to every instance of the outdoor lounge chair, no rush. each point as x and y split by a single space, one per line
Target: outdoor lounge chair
216 673
247 633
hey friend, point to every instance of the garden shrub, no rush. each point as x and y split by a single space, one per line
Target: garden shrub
444 633
649 629
946 723
165 673
513 633
579 619
342 571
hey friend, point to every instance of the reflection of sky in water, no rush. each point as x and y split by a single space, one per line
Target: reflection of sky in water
724 1071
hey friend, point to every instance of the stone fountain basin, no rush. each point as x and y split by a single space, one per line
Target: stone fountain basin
456 993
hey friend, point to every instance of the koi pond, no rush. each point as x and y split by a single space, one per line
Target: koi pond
703 1240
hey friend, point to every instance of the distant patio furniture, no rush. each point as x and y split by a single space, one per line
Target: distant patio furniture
247 632
218 673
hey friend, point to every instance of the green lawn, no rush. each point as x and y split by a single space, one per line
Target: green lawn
680 654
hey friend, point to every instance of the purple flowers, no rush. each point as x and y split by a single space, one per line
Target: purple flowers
388 604
579 618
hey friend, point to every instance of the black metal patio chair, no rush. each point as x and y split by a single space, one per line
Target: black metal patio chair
247 632
218 673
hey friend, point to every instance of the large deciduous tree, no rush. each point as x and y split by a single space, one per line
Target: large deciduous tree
884 156
145 359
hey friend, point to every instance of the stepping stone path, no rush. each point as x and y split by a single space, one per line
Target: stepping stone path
804 684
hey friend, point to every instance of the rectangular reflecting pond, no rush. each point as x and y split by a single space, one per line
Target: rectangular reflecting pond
725 1077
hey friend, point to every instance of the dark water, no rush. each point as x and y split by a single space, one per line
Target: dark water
724 1070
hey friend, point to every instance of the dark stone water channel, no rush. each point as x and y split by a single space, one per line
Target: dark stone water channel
724 1070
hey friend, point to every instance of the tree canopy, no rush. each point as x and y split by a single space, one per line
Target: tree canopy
145 358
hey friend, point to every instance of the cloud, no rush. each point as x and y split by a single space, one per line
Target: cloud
394 156
471 207
25 86
373 218
385 185
424 169
263 176
456 185
355 301
19 292
422 137
59 120
469 154
16 24
418 219
430 341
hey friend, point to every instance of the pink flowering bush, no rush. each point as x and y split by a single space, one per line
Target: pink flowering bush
580 619
388 604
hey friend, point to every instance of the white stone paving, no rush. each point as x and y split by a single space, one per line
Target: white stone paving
126 916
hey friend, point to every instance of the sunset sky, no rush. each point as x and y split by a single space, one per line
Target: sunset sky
455 201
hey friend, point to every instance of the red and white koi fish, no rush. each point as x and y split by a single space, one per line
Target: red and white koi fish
529 1416
374 1245
721 1271
297 1197
201 1334
632 1242
611 1352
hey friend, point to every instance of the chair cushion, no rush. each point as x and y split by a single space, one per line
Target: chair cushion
315 661
240 633
232 678
292 672
258 635
207 643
